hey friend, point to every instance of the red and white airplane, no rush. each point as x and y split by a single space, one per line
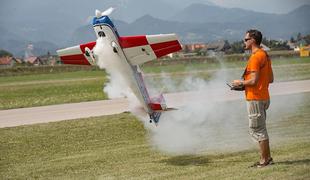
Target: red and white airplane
130 51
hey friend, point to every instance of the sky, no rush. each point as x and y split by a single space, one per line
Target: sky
268 6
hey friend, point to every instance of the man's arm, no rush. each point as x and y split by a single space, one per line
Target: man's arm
271 76
250 82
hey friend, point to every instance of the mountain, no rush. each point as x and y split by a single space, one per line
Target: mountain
188 32
202 13
56 25
273 25
232 28
181 4
56 22
86 33
298 20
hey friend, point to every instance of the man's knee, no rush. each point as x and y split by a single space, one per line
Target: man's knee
258 134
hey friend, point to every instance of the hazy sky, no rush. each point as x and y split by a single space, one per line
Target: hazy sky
269 6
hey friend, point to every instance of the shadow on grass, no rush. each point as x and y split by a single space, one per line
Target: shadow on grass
186 160
295 162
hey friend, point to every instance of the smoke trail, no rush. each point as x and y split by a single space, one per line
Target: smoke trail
117 86
210 122
194 127
29 51
206 122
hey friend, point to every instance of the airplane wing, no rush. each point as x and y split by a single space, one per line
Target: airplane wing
80 54
141 49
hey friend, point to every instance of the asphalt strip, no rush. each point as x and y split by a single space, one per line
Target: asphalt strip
54 113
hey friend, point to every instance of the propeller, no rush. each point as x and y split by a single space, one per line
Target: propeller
104 13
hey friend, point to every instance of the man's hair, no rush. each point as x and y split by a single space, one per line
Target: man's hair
256 35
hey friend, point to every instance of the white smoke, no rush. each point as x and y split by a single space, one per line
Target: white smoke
196 126
29 51
205 122
117 86
211 120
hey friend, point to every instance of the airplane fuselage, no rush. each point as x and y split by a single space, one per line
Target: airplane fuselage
104 28
121 57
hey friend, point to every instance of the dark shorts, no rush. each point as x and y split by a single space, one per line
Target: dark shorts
257 119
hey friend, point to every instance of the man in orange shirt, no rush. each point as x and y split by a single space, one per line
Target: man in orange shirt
257 76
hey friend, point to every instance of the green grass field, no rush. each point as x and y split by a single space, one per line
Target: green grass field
221 63
47 89
66 87
117 147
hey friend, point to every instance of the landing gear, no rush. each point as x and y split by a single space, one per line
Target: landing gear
154 117
115 47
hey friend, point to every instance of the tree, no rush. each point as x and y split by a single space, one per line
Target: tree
307 39
5 53
186 49
299 37
275 45
237 47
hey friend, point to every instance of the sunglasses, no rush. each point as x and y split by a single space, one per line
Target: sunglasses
246 39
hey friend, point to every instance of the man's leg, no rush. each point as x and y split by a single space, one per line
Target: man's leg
265 151
264 144
258 130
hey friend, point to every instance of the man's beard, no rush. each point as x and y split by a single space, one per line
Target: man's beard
245 48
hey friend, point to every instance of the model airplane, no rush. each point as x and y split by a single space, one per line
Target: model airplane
130 51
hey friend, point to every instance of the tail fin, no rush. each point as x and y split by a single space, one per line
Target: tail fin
158 103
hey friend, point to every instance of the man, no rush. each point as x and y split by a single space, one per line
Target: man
257 76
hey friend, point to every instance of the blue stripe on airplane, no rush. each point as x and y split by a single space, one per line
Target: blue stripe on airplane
104 20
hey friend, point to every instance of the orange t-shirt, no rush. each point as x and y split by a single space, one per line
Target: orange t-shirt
260 62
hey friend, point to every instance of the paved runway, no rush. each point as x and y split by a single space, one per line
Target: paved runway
44 114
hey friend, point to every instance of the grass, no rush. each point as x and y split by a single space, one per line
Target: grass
34 90
52 77
66 87
192 66
117 147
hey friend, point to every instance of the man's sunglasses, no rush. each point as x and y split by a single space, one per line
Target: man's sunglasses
246 39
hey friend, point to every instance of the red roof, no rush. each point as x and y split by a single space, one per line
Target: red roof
31 59
5 60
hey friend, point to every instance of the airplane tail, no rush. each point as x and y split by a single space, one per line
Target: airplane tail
154 117
158 103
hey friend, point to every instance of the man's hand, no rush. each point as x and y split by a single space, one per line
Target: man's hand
237 83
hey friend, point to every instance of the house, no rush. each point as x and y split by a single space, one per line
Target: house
193 47
33 60
292 45
217 46
18 60
266 48
296 45
6 61
304 51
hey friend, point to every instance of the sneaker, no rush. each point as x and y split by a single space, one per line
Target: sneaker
260 165
269 162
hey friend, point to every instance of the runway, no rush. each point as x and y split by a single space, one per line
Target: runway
54 113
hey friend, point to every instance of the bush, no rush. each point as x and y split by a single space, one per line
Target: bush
4 53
